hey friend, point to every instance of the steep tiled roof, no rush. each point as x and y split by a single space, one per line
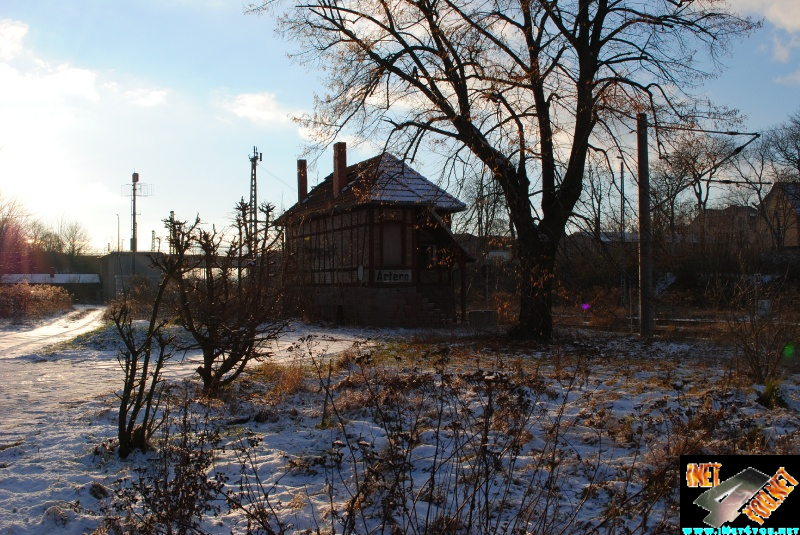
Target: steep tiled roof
383 180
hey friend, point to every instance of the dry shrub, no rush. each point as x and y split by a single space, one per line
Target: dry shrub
358 355
22 301
178 488
285 379
291 380
765 327
352 400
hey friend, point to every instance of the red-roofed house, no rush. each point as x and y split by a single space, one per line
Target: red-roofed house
371 244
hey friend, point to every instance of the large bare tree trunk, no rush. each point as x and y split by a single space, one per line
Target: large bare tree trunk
536 297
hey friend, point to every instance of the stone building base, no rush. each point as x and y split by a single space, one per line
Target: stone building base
400 306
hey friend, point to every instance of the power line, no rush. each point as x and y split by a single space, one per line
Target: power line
737 182
705 131
276 177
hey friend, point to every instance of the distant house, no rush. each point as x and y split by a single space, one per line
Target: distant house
371 244
780 213
732 226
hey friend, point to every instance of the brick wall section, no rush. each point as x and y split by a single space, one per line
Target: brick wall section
381 307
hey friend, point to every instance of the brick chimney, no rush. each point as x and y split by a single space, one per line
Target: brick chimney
302 180
339 167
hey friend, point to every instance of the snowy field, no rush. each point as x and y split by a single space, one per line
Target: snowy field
615 397
57 405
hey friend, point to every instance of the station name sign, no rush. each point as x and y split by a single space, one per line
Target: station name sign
393 275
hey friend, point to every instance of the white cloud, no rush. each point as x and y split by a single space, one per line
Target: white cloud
45 87
784 14
58 124
782 46
146 98
12 33
791 79
780 50
262 108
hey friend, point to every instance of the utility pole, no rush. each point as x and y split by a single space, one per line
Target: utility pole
137 189
134 182
622 240
253 223
646 294
622 196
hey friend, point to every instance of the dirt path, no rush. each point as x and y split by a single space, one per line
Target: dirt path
35 384
18 343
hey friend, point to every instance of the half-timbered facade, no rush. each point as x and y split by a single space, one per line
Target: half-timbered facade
371 244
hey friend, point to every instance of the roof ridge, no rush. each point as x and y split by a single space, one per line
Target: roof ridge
382 179
400 177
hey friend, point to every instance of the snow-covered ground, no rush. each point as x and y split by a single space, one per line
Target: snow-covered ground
35 383
58 413
57 404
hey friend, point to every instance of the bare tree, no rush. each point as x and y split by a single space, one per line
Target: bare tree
593 206
695 163
784 141
486 215
38 234
522 86
74 237
761 168
227 295
667 188
50 241
141 358
13 235
144 351
756 170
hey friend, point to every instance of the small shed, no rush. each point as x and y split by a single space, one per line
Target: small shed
372 245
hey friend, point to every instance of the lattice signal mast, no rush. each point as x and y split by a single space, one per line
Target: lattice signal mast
253 215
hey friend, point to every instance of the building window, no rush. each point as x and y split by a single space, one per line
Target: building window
392 245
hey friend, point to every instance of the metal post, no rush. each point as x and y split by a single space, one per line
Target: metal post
646 294
172 234
134 184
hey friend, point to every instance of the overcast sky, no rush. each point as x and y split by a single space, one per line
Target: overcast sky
181 90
